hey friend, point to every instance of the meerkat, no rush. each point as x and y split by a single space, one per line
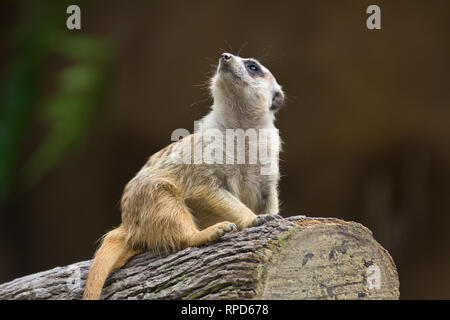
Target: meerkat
169 206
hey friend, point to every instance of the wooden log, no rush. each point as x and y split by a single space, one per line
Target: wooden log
293 258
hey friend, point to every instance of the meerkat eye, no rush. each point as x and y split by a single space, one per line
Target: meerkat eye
253 68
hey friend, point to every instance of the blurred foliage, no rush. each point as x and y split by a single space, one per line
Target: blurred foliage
67 112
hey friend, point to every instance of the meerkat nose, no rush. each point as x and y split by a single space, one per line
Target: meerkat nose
225 56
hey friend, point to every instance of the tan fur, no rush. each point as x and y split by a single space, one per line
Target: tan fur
169 206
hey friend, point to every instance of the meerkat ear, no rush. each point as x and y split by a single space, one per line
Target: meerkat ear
277 101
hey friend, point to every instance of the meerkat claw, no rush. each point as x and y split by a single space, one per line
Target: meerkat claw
230 228
265 218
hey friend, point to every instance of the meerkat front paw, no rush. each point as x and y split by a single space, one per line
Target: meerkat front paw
223 228
259 220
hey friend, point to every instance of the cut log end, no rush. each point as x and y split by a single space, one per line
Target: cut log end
331 259
293 258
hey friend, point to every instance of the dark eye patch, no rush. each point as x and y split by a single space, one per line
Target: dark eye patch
253 68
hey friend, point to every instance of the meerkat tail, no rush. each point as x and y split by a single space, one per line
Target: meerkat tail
112 254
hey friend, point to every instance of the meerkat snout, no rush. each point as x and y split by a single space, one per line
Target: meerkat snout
225 56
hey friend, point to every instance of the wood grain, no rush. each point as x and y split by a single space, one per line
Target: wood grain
294 258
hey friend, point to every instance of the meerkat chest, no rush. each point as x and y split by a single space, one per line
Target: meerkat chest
249 186
251 183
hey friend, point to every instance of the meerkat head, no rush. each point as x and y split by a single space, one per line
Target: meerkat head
246 84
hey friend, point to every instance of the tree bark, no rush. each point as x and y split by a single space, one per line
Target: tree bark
293 258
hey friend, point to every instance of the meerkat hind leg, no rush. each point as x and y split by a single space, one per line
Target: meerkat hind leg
169 225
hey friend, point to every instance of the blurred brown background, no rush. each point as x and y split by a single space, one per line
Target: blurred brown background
366 128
